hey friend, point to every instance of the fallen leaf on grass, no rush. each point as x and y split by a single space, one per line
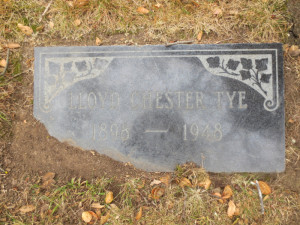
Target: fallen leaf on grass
294 51
27 208
206 184
157 192
155 182
231 209
25 29
141 184
185 182
98 41
80 3
142 10
109 197
48 176
86 216
48 183
165 179
265 188
139 214
2 63
227 193
70 3
105 218
77 22
51 25
199 36
219 197
217 11
157 5
13 45
97 205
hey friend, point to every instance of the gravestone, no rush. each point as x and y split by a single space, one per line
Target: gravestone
220 106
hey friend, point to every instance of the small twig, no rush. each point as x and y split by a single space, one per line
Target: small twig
178 43
260 196
18 74
7 61
45 11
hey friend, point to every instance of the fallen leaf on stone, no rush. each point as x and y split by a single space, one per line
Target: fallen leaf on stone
13 45
86 216
206 184
165 179
80 3
227 193
27 208
265 188
155 182
142 10
109 197
2 63
51 25
217 11
48 176
199 36
185 182
139 214
25 29
98 41
105 218
97 205
231 208
77 22
157 192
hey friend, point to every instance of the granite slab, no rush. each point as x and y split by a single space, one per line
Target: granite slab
220 106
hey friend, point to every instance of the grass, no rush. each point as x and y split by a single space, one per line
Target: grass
118 22
64 203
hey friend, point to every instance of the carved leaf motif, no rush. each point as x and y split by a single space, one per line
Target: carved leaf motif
232 64
81 66
246 63
261 64
214 62
265 78
245 74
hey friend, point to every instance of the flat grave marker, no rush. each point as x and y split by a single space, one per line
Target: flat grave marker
220 106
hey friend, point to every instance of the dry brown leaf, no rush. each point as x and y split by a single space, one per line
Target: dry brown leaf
142 10
155 182
165 179
105 218
2 63
97 205
231 208
237 211
266 197
40 28
77 22
86 216
48 183
199 36
294 51
185 182
264 187
27 208
227 193
25 29
157 192
13 45
80 3
139 214
70 3
98 41
51 25
217 11
141 185
94 217
206 183
48 176
109 197
157 5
